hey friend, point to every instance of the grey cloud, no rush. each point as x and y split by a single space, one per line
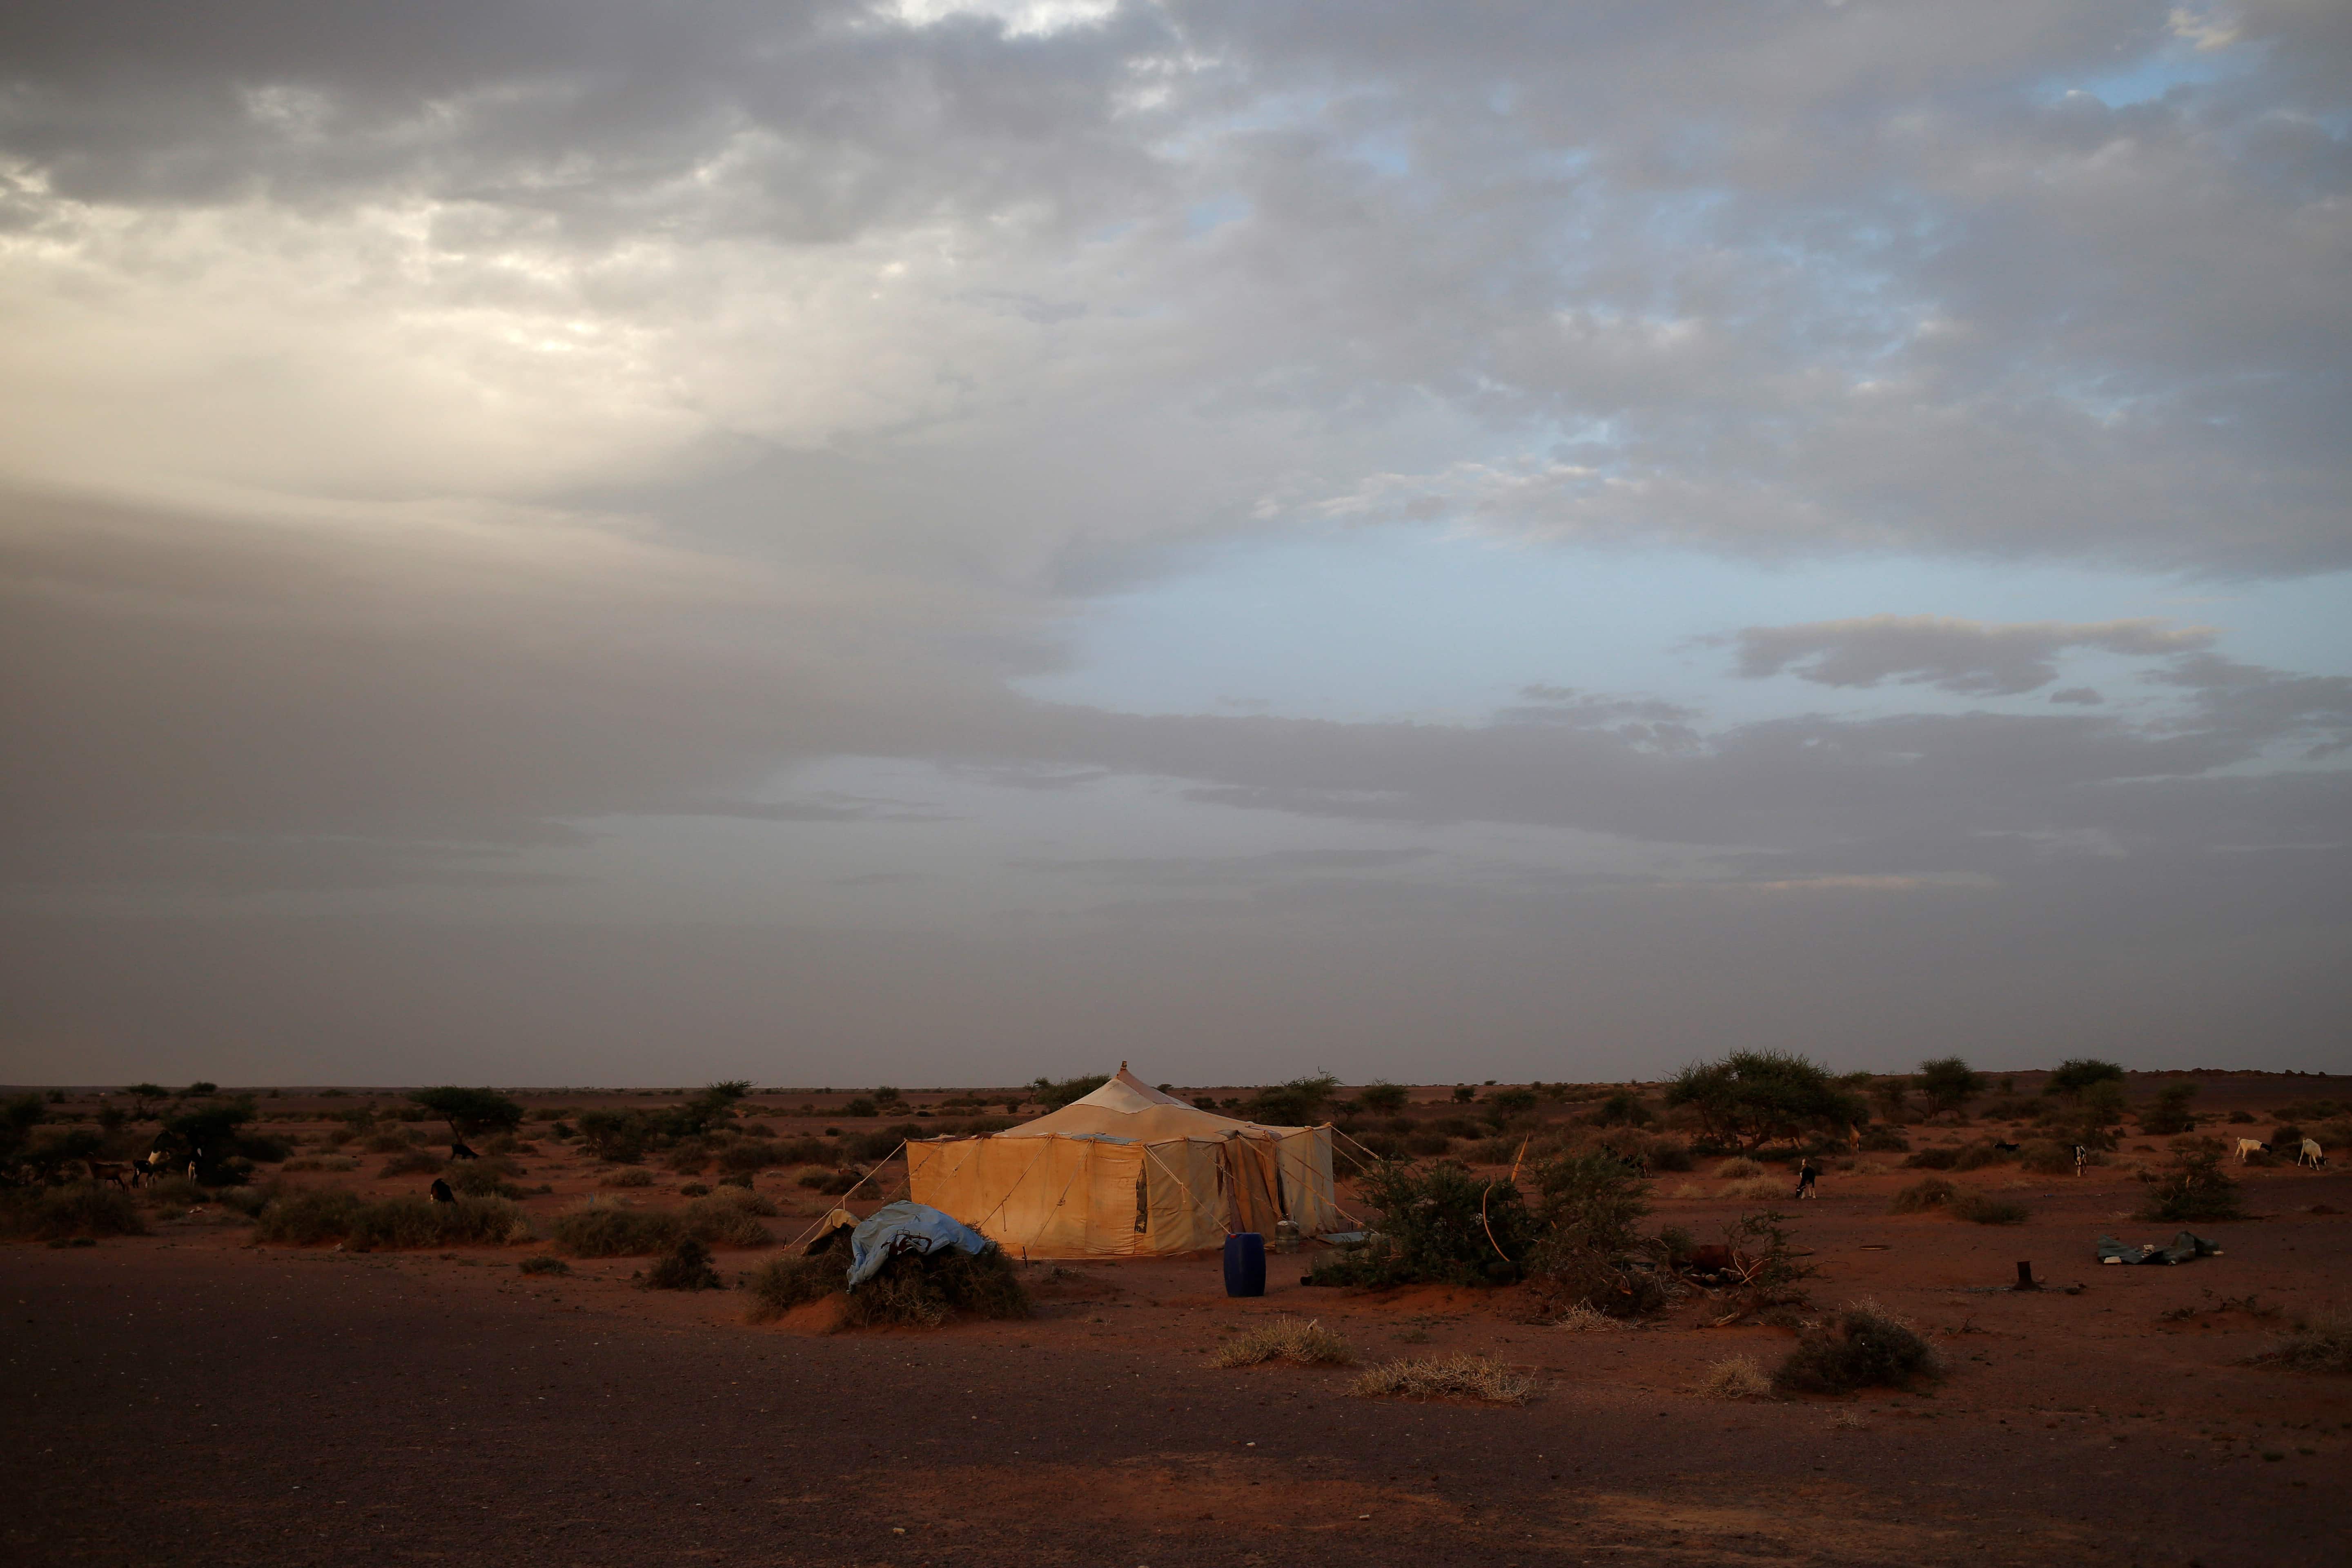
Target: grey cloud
1970 657
2078 696
1229 871
1795 279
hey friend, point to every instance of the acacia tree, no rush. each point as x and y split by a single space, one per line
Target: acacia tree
2077 1075
473 1111
1382 1096
1751 1097
1950 1084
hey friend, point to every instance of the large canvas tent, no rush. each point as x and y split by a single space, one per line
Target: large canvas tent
1127 1172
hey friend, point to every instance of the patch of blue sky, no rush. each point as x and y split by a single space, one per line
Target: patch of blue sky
2176 63
1396 622
1216 212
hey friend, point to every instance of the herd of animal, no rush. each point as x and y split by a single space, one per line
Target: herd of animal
2309 1154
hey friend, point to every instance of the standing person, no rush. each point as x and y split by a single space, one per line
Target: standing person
1806 1174
2081 1158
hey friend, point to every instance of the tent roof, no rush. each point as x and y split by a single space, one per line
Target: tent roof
1126 1107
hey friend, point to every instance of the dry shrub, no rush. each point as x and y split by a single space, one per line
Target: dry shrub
1869 1347
390 1142
1920 1196
833 1183
2044 1158
482 1178
1583 1318
727 1218
305 1217
2321 1342
175 1191
783 1283
598 1229
1983 1208
925 1289
1759 1188
1687 1190
1941 1159
59 1213
1285 1337
1735 1377
2194 1186
1977 1156
686 1267
1445 1377
636 1176
1738 1169
541 1263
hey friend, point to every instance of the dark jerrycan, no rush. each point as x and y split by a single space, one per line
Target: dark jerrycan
1245 1264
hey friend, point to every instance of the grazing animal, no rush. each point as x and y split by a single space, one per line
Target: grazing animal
457 1150
150 1167
2005 1148
1806 1175
114 1171
2312 1155
2250 1147
441 1193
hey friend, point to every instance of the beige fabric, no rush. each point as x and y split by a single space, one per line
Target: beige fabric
1126 1107
1127 1171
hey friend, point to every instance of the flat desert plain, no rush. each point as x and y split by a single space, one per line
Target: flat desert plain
191 1397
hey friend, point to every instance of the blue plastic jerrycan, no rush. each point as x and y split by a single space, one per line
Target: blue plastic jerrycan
1245 1264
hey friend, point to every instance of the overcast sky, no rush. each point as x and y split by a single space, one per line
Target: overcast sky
578 542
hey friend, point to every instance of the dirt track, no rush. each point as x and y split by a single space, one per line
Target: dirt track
192 1401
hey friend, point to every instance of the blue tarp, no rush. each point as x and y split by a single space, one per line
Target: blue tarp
906 1227
2185 1246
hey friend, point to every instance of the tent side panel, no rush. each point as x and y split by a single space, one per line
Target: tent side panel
1187 1208
1304 1157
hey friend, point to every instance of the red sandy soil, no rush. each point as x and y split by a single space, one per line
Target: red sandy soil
191 1399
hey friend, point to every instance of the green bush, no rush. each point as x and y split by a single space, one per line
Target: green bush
1440 1223
620 1137
58 1214
1868 1347
2194 1186
1589 1207
1381 1096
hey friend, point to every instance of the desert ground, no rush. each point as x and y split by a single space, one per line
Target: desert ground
195 1396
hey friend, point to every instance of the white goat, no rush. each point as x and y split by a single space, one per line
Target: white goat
2250 1147
2312 1155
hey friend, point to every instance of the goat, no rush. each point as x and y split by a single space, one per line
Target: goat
2250 1147
114 1171
2005 1148
441 1193
2312 1155
149 1167
457 1150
